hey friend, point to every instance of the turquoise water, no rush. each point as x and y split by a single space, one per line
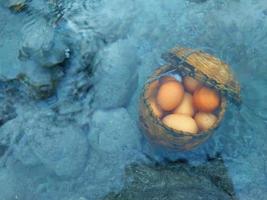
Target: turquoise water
71 73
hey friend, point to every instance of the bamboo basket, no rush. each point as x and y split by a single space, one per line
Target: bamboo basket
210 71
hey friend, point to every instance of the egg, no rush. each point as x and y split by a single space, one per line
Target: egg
152 89
155 108
205 120
165 79
191 84
186 106
206 99
170 95
181 123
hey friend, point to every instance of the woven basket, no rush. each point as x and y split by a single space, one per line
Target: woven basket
211 72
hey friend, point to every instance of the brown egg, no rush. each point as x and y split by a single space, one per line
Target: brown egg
165 79
152 89
191 84
181 123
186 106
206 99
155 108
205 120
170 95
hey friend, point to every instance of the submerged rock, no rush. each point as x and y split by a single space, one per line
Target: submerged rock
25 57
176 181
15 5
112 130
115 75
63 149
9 187
37 137
104 173
48 50
7 112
